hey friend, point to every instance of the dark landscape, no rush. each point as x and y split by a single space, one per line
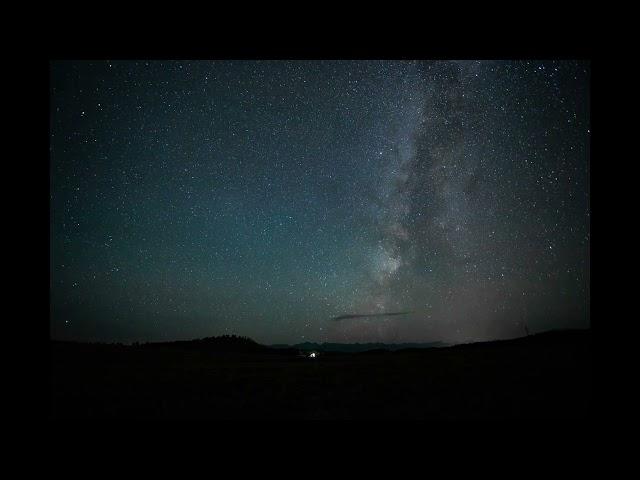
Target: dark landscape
320 239
541 376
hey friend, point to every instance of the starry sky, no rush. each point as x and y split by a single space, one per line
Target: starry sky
340 201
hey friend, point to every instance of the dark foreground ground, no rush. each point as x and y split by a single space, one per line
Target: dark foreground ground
542 376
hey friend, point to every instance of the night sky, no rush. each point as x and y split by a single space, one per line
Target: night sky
341 201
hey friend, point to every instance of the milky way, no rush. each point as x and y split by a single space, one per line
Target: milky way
266 198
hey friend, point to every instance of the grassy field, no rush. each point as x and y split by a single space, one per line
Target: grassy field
542 376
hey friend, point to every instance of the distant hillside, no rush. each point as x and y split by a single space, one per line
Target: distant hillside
551 337
245 345
224 342
221 344
357 347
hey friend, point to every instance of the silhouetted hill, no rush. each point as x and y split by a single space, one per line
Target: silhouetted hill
357 347
550 337
240 344
224 343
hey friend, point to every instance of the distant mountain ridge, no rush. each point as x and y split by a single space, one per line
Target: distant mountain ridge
240 344
357 347
222 344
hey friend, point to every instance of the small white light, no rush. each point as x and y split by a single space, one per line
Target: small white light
312 355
